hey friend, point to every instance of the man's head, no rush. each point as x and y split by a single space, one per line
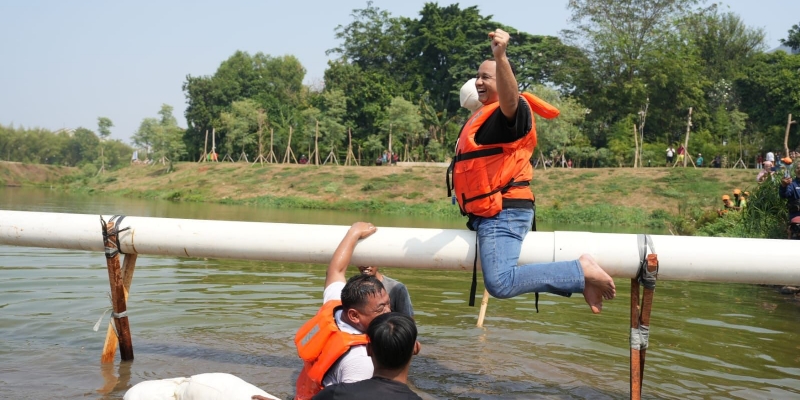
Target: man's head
368 270
363 299
737 192
486 82
392 341
726 199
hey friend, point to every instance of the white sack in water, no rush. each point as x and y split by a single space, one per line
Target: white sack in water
211 386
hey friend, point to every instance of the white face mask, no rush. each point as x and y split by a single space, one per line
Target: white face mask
469 96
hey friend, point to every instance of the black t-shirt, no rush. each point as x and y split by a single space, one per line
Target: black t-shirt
370 389
498 129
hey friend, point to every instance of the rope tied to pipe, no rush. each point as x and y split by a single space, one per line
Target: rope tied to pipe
114 232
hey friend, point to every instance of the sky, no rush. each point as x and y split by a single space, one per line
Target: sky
63 64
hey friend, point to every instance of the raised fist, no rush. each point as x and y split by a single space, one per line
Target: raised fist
500 40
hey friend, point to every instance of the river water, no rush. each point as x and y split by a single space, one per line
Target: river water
191 316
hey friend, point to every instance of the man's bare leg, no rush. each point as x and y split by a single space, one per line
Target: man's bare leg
598 285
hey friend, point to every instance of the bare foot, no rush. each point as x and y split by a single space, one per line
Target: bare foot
598 284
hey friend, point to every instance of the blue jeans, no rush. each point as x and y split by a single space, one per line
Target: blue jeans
500 241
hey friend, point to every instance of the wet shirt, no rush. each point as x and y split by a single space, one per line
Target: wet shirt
399 299
370 389
355 365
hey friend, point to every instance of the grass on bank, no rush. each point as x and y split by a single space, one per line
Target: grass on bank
608 196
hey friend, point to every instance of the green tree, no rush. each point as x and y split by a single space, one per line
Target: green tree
104 126
444 48
724 42
555 136
275 83
332 124
402 123
83 148
162 137
768 94
241 124
624 40
793 38
311 118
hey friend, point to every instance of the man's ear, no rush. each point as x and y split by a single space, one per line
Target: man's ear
352 315
417 347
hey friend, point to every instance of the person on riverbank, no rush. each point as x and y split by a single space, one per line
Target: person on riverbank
399 298
681 153
769 161
717 162
699 160
739 202
392 343
670 155
790 190
347 310
727 205
498 141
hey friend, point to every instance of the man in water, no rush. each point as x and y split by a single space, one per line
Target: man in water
498 141
392 342
347 310
399 298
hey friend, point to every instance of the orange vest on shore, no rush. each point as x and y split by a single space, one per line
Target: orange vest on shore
320 343
483 175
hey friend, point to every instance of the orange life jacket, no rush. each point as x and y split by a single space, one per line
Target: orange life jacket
484 175
320 343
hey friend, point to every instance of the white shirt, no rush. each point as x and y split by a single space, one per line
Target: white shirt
355 365
670 152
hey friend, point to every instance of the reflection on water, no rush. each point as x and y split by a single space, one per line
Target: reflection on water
192 316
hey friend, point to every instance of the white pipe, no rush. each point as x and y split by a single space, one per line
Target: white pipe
688 258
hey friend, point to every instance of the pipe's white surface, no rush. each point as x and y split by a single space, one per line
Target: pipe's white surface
686 258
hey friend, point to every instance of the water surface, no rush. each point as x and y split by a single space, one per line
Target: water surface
191 316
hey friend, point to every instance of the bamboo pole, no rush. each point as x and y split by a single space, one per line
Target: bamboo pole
640 325
484 304
214 145
686 141
111 343
636 380
110 238
786 136
316 143
636 143
205 150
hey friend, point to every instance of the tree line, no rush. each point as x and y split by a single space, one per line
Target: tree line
624 75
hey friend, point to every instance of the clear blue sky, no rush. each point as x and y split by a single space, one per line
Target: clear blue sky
65 63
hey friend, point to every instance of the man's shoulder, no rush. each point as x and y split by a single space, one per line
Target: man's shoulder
376 387
333 292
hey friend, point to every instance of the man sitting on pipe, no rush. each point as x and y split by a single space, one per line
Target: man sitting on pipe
332 344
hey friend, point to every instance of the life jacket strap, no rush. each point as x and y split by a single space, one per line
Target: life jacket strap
502 189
